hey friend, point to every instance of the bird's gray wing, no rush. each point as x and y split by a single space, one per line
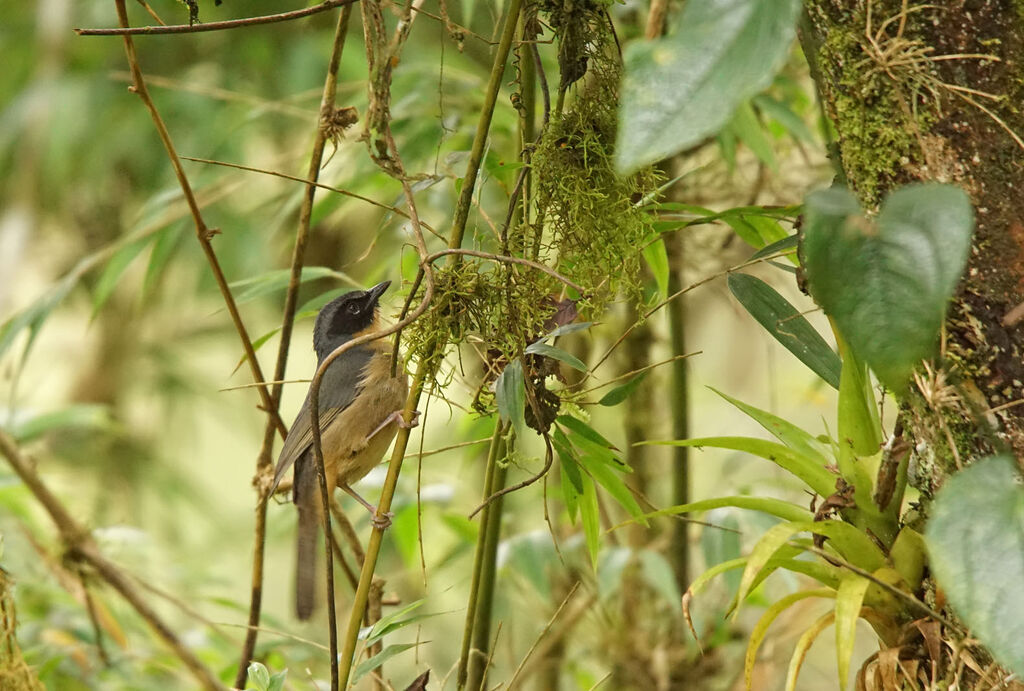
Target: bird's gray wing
338 388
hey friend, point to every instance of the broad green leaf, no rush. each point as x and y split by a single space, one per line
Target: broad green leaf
849 598
622 392
380 658
760 630
748 129
259 677
656 256
542 348
804 467
277 680
804 644
976 541
510 395
786 325
113 271
886 283
783 430
683 88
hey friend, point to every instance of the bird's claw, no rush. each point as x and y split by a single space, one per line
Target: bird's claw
415 422
382 521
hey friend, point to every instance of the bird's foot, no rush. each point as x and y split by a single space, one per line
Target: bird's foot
396 417
382 521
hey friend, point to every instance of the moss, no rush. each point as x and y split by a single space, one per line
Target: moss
879 121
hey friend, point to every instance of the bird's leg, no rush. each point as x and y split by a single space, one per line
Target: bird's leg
381 521
397 418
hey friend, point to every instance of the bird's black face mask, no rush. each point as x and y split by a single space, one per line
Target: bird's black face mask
345 317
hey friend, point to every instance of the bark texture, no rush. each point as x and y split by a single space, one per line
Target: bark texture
934 92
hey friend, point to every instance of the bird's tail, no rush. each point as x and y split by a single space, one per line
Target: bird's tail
306 542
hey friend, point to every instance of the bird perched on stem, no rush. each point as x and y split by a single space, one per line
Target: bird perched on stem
360 407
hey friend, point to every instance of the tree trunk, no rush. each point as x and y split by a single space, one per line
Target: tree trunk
933 93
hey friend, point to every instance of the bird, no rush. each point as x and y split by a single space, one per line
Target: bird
360 406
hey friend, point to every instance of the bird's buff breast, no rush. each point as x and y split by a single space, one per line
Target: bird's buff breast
350 453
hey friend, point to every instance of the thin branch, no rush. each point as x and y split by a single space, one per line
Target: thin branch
548 460
544 632
81 545
125 30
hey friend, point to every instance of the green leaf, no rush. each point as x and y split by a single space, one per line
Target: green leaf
622 392
783 430
887 284
249 289
572 479
277 680
659 575
390 623
612 482
380 658
748 129
163 249
578 427
510 395
786 325
769 505
852 544
566 329
976 541
259 677
76 416
849 598
804 644
814 475
591 519
682 89
113 271
760 630
656 256
542 348
784 115
787 243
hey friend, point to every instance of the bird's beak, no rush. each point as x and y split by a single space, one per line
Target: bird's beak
374 293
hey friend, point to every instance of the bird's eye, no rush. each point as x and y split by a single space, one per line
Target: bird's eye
352 308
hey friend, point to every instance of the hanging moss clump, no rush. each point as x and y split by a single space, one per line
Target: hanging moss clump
588 219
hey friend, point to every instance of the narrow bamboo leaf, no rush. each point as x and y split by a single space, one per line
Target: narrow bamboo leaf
114 270
887 284
783 430
802 646
784 115
804 467
166 243
380 658
372 634
786 325
35 315
683 88
566 329
849 598
542 348
769 505
591 519
76 416
622 392
976 541
611 481
510 394
584 430
760 630
572 478
249 289
786 243
656 256
256 345
853 545
746 232
748 129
